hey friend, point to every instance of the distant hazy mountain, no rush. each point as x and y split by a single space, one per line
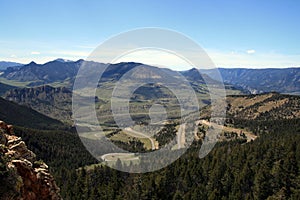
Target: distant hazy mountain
262 80
39 74
4 65
63 60
193 75
62 71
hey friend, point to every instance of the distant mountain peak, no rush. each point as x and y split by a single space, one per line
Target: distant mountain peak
62 60
193 70
32 63
80 60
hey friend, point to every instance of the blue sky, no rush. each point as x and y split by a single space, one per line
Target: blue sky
238 33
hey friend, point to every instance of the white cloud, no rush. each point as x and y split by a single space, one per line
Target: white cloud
13 56
250 51
35 53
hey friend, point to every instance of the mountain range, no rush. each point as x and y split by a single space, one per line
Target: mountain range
55 100
286 80
37 74
5 64
63 72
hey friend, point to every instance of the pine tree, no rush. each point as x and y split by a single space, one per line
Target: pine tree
261 184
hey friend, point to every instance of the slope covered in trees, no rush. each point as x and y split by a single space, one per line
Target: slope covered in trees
26 117
266 168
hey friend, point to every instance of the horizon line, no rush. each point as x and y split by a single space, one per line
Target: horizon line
216 67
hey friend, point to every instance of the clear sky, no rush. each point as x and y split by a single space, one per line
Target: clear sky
234 33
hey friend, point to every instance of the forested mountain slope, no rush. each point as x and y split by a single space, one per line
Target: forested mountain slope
266 168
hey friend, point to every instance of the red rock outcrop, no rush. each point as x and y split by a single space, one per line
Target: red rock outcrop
29 179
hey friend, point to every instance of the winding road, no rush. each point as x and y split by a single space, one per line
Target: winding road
181 136
250 136
137 134
121 156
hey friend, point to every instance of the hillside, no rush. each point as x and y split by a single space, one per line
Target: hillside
24 116
53 102
261 107
286 80
252 170
4 88
264 106
266 168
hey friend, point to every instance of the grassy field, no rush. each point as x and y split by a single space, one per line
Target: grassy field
123 137
94 135
14 82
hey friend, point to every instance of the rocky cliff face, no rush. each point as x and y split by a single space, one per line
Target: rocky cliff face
53 102
21 175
